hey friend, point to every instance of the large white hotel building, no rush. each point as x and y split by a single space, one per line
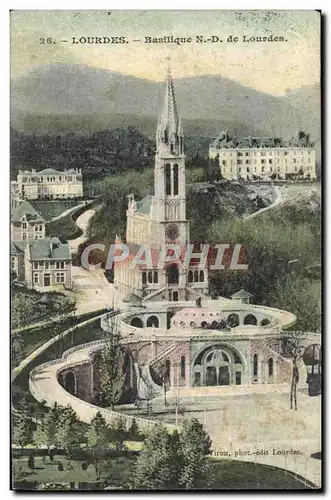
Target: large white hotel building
264 158
48 183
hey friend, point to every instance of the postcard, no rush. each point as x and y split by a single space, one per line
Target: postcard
165 187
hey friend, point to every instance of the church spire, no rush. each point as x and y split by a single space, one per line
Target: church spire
170 114
169 130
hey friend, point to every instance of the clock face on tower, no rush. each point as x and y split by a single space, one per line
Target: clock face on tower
172 232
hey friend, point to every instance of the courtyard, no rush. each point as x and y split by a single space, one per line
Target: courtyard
255 427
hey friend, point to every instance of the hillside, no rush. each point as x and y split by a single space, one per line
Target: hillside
60 98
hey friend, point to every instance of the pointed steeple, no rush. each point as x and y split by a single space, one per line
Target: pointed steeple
169 129
169 116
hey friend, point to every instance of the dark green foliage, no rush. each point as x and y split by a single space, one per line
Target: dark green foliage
174 461
155 468
47 428
134 428
98 438
68 434
17 349
195 444
269 243
98 154
26 307
111 369
22 426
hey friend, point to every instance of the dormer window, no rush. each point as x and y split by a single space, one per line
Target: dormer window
24 225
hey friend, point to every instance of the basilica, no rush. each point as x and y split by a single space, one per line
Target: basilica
173 333
160 220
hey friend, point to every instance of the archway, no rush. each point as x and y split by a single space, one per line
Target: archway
70 384
265 322
172 274
250 319
233 320
217 368
270 367
153 321
137 322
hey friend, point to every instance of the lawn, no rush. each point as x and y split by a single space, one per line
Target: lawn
51 209
237 475
229 475
118 470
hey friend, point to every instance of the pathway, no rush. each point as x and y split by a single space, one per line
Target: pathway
277 201
242 425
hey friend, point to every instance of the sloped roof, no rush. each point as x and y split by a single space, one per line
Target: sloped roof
25 208
71 171
18 246
48 171
242 294
144 206
42 249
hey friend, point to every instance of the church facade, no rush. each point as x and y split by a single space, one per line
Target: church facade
160 220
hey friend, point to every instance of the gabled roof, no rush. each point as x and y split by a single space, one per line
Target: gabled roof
19 246
48 171
25 208
144 206
49 249
242 294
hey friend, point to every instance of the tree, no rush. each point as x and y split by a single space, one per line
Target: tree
98 434
156 467
68 434
134 428
47 428
22 427
111 368
174 461
17 349
195 444
119 433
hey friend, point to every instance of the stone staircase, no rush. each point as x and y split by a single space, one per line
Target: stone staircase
167 350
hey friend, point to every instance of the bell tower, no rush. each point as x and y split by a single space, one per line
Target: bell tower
169 172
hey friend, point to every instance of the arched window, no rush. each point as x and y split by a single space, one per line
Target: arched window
144 278
233 320
175 296
255 366
150 277
156 277
196 276
70 382
153 321
265 322
172 274
182 367
137 322
201 276
175 178
250 319
190 276
271 367
168 178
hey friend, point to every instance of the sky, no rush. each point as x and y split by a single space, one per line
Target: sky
271 67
